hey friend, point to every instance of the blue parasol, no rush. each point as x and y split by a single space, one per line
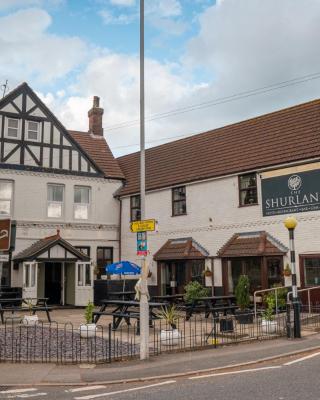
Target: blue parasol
123 268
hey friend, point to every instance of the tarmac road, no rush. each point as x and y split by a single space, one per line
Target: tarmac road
290 378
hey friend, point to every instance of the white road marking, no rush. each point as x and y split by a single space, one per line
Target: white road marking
85 388
26 396
235 372
302 359
94 396
18 390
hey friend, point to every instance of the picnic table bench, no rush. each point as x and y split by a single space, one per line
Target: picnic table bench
126 295
125 310
19 304
211 305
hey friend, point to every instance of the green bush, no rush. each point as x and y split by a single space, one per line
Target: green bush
271 303
242 292
281 296
194 290
88 312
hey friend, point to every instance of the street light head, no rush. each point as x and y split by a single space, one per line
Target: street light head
290 223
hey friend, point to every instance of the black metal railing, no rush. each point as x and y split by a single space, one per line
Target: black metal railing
63 343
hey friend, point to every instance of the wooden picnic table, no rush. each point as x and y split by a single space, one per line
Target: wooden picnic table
125 310
211 305
169 298
20 304
126 295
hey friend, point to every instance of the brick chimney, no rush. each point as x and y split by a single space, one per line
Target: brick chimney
95 117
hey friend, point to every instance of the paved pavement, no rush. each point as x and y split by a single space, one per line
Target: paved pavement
176 363
287 378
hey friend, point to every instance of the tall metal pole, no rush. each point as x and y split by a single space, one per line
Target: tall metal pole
144 305
290 224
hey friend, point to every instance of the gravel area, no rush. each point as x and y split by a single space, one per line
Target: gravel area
50 344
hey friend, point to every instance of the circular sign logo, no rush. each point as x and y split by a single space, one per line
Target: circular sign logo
294 182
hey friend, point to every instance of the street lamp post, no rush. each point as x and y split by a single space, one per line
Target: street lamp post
290 223
144 304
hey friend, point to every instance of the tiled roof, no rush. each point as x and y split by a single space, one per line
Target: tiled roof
43 245
252 244
99 151
283 136
181 249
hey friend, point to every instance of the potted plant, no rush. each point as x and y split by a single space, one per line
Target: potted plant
88 329
171 335
268 324
30 319
242 292
287 270
194 290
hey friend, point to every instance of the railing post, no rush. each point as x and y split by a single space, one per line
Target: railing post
309 302
276 296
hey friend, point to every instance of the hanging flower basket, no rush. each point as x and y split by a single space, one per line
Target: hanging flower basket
208 273
287 271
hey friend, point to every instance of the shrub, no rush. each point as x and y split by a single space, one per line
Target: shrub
242 292
88 312
194 290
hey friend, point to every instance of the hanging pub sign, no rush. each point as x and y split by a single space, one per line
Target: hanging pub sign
5 234
294 192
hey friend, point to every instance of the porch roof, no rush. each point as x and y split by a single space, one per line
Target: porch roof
181 249
41 250
248 244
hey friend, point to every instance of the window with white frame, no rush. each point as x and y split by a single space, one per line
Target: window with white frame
30 275
12 128
32 131
84 274
6 191
81 202
55 200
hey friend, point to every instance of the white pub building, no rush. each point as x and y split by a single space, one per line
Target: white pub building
58 187
219 199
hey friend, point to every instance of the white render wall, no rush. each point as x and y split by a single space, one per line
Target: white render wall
213 216
29 209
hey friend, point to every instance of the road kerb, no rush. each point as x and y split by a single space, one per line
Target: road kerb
167 376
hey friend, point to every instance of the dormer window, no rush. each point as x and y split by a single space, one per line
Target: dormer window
12 128
33 131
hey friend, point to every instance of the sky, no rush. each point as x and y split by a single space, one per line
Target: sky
206 61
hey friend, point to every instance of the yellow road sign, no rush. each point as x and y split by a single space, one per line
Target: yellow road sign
143 226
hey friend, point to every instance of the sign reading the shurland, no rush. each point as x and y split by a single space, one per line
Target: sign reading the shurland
291 193
143 226
5 225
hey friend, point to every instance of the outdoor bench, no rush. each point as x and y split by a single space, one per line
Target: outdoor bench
14 305
220 309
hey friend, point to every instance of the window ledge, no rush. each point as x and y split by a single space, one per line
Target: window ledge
248 205
178 215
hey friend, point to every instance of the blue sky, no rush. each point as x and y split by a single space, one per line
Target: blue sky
197 51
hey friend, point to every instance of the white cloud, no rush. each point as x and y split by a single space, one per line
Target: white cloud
123 2
28 51
242 45
164 8
111 19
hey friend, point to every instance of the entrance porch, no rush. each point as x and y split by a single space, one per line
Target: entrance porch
54 269
255 254
180 261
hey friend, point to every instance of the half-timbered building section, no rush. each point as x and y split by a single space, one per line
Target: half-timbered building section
32 138
52 179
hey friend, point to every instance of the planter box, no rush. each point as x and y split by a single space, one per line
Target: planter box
244 317
88 330
170 337
30 320
268 326
226 325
